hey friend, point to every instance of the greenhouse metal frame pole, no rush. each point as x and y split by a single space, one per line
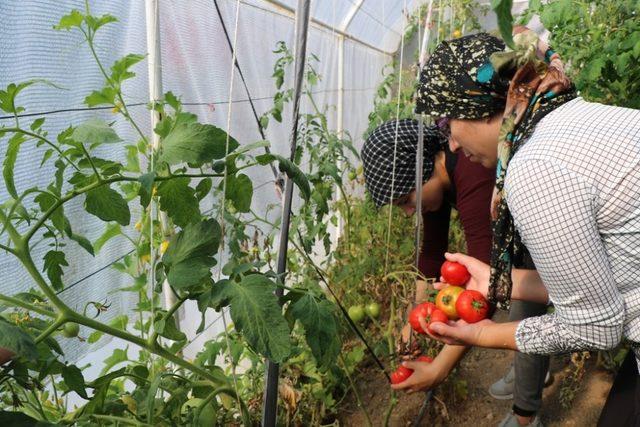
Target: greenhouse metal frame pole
270 402
152 13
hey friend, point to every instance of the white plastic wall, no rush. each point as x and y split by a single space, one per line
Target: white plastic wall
196 64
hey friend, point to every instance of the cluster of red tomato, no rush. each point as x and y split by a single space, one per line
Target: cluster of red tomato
452 303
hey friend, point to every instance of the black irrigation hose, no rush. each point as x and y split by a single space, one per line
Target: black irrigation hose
423 408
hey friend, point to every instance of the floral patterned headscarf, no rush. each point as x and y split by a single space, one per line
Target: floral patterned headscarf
474 77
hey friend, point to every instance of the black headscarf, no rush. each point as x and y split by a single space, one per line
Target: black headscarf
378 154
473 77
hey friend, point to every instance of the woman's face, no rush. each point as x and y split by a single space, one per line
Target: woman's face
478 139
432 196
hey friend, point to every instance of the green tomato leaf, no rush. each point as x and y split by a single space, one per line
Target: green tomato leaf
189 257
17 340
319 322
96 22
502 8
10 161
72 376
83 242
46 201
146 188
8 96
203 188
71 20
108 205
179 201
594 69
95 131
239 190
21 419
53 263
112 230
120 69
195 143
107 95
119 355
167 327
256 313
293 172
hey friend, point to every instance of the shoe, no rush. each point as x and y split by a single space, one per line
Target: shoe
511 421
503 388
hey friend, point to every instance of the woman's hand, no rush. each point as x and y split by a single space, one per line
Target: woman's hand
425 376
485 333
478 270
458 332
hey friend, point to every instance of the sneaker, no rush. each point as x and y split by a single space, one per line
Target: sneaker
503 388
512 421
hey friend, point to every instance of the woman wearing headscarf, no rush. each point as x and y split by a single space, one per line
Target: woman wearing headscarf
567 190
450 181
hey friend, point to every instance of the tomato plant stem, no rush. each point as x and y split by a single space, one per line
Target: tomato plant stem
167 315
116 420
392 404
355 391
27 306
61 320
43 139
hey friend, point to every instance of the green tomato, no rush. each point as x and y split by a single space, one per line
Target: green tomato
70 330
373 310
356 313
352 175
207 415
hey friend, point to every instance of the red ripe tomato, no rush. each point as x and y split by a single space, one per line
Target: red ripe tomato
436 316
472 306
420 310
400 374
454 273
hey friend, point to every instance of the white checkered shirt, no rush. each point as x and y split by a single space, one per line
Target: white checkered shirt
574 192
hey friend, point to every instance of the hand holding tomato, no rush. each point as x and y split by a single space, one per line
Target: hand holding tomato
454 273
460 332
404 371
424 376
478 270
423 315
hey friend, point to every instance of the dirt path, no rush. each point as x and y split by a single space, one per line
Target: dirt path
480 369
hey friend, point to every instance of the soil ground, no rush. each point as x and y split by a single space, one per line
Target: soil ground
480 368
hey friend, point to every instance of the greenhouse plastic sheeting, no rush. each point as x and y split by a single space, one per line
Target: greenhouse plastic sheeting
196 64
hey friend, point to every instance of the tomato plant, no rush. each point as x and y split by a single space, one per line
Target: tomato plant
599 41
472 306
175 242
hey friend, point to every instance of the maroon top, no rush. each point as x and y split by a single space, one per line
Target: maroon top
472 186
